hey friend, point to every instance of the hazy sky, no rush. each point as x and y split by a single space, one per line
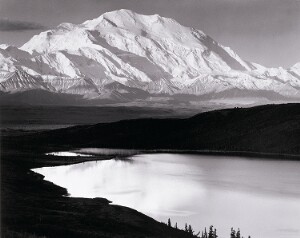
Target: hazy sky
262 31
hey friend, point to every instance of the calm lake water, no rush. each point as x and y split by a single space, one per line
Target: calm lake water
261 197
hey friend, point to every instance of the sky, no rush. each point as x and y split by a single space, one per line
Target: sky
262 31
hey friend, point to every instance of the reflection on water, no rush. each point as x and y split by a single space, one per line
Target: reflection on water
89 152
261 197
68 154
107 151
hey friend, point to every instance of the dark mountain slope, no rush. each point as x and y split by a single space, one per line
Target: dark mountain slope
267 129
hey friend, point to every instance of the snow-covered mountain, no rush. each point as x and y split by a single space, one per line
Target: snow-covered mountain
125 56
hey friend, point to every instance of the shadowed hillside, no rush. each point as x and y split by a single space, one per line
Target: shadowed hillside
267 129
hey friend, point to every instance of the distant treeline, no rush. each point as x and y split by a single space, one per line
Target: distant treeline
211 233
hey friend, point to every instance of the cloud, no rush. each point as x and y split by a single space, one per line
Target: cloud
10 25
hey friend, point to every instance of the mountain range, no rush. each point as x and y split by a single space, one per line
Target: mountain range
125 57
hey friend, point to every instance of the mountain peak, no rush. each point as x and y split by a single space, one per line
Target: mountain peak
140 53
116 14
4 46
66 26
296 66
130 20
121 11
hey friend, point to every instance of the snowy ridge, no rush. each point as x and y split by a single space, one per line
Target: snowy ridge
122 55
21 81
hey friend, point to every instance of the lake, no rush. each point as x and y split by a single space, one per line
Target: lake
259 196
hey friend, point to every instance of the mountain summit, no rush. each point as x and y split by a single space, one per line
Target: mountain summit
123 56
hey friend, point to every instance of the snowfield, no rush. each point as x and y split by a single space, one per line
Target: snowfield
122 55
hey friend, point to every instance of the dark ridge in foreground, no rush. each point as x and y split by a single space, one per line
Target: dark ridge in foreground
262 129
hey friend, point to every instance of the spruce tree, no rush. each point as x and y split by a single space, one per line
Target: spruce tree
232 234
169 222
215 233
205 233
211 232
190 230
238 234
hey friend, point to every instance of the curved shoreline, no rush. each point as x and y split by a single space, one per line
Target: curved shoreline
250 154
24 190
250 161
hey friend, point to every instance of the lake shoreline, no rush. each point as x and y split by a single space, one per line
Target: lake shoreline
23 161
25 190
246 154
213 180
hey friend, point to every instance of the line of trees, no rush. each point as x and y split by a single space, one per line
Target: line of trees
236 234
212 233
